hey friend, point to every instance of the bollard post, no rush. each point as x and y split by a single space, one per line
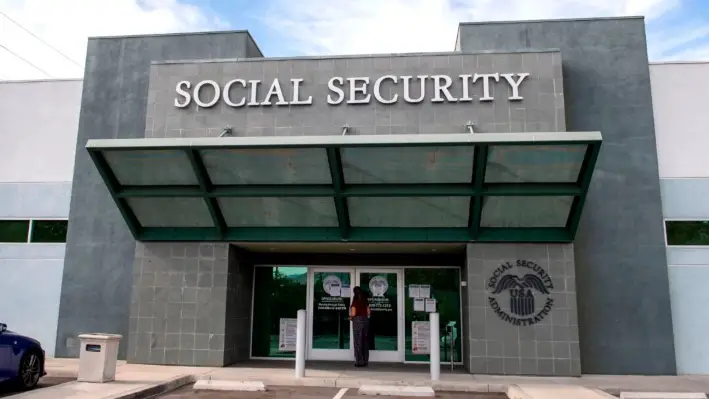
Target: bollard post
300 346
435 347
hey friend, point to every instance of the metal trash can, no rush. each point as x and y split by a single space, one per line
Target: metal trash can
98 355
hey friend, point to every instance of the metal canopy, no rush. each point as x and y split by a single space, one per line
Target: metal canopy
513 187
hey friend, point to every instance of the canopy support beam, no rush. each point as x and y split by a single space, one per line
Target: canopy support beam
343 214
584 181
112 185
206 187
356 190
476 203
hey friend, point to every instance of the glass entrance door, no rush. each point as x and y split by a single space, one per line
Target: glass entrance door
384 288
330 292
330 331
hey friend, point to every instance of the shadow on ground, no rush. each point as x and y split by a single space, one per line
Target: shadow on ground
7 390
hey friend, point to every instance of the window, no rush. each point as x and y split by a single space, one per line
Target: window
687 232
49 230
278 293
14 230
43 231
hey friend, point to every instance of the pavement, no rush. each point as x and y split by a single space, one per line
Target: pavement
309 393
138 381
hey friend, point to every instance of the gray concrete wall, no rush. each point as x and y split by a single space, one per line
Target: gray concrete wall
623 294
500 341
96 288
179 303
540 110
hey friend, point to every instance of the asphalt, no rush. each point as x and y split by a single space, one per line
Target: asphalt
305 393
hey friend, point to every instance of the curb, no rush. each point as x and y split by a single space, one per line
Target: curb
392 390
156 389
229 385
356 383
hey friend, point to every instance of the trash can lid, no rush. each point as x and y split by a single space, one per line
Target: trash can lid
103 336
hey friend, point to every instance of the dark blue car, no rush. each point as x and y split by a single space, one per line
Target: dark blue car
21 359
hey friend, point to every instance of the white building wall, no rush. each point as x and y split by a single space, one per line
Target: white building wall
679 95
38 129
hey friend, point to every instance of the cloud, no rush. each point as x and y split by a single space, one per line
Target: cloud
66 25
390 26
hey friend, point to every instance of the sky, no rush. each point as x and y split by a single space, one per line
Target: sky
677 30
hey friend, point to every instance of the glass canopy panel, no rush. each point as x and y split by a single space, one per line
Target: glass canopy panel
267 166
409 211
171 212
402 165
151 167
528 211
534 163
279 212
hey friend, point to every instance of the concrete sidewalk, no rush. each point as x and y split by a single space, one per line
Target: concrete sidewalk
134 378
132 381
335 375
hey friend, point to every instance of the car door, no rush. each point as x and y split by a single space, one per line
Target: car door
6 356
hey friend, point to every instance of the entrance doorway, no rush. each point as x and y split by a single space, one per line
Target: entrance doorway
329 296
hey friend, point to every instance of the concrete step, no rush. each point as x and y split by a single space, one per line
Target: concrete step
394 390
227 385
532 391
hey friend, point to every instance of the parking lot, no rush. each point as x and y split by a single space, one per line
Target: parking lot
305 393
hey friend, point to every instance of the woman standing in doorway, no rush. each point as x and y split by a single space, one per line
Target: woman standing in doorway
359 314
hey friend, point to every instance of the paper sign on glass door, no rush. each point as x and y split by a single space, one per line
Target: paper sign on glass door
414 291
420 337
288 334
430 305
419 305
424 291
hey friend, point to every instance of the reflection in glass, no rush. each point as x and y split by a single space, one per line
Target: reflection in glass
445 288
49 230
151 167
278 293
407 165
534 164
331 325
687 232
529 211
171 212
14 230
267 166
279 211
381 288
409 211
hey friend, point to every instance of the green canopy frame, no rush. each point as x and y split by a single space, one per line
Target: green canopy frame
490 187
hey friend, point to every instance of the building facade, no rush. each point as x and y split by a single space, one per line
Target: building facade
680 124
38 125
511 185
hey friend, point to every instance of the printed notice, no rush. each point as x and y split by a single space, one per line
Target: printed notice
414 291
424 291
420 337
335 290
419 305
430 305
345 291
288 335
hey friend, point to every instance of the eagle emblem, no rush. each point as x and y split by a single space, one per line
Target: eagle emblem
520 289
